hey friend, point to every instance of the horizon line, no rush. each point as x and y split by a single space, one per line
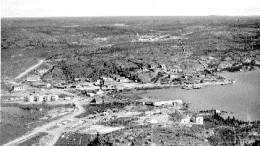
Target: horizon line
133 16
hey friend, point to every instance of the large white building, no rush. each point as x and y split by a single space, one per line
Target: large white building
33 78
167 103
39 98
18 88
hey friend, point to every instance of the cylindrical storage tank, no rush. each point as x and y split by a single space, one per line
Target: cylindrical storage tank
49 98
55 97
30 98
40 98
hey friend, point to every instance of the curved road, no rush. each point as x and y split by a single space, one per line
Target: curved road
44 128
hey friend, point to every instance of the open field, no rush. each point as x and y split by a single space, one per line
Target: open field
17 119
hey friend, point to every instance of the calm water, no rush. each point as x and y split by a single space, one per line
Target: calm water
242 98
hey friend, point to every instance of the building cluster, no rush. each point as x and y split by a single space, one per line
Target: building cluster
177 116
36 98
186 118
98 87
163 112
41 98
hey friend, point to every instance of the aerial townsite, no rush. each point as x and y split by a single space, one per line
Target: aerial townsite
130 81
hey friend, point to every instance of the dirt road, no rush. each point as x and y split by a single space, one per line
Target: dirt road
56 133
29 69
44 128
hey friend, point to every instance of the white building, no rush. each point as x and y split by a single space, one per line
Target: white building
54 97
67 98
39 98
89 86
18 88
100 92
47 98
91 94
124 80
48 85
199 120
174 76
97 82
218 111
33 78
185 120
177 70
30 98
167 103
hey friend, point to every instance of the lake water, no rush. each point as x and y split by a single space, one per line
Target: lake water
242 98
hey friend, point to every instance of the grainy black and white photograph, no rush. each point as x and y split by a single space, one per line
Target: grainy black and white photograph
130 73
